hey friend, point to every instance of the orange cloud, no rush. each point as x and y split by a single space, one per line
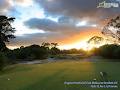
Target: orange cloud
81 36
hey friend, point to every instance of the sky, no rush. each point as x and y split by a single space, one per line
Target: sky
70 23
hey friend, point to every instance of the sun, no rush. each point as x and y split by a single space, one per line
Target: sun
81 45
78 45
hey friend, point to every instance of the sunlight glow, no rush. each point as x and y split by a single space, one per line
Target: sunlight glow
12 47
81 45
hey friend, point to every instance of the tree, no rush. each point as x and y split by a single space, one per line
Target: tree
108 50
112 29
117 53
6 31
46 44
31 52
54 51
95 40
54 45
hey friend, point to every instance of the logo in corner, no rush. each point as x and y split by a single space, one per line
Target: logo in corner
105 4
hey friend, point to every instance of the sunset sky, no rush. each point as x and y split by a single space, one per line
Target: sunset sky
70 23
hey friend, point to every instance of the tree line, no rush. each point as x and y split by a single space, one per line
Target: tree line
109 51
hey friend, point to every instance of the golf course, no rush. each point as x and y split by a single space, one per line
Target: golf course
53 75
59 44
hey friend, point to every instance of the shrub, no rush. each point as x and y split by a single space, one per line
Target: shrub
107 51
2 61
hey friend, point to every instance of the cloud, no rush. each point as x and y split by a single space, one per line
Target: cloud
63 24
44 24
5 5
57 31
30 39
76 8
68 7
9 6
24 3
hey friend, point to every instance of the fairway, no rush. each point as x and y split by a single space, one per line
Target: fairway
51 76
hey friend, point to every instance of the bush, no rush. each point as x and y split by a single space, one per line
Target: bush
54 51
28 53
107 51
2 61
117 53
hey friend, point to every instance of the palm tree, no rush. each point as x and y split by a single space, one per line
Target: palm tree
6 31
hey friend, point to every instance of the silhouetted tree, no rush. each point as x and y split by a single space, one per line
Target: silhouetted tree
95 40
54 45
117 53
108 51
54 51
6 31
112 29
46 44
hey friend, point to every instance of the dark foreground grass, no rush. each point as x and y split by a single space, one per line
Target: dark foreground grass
51 76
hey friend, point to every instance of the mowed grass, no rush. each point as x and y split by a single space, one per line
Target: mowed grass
51 76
